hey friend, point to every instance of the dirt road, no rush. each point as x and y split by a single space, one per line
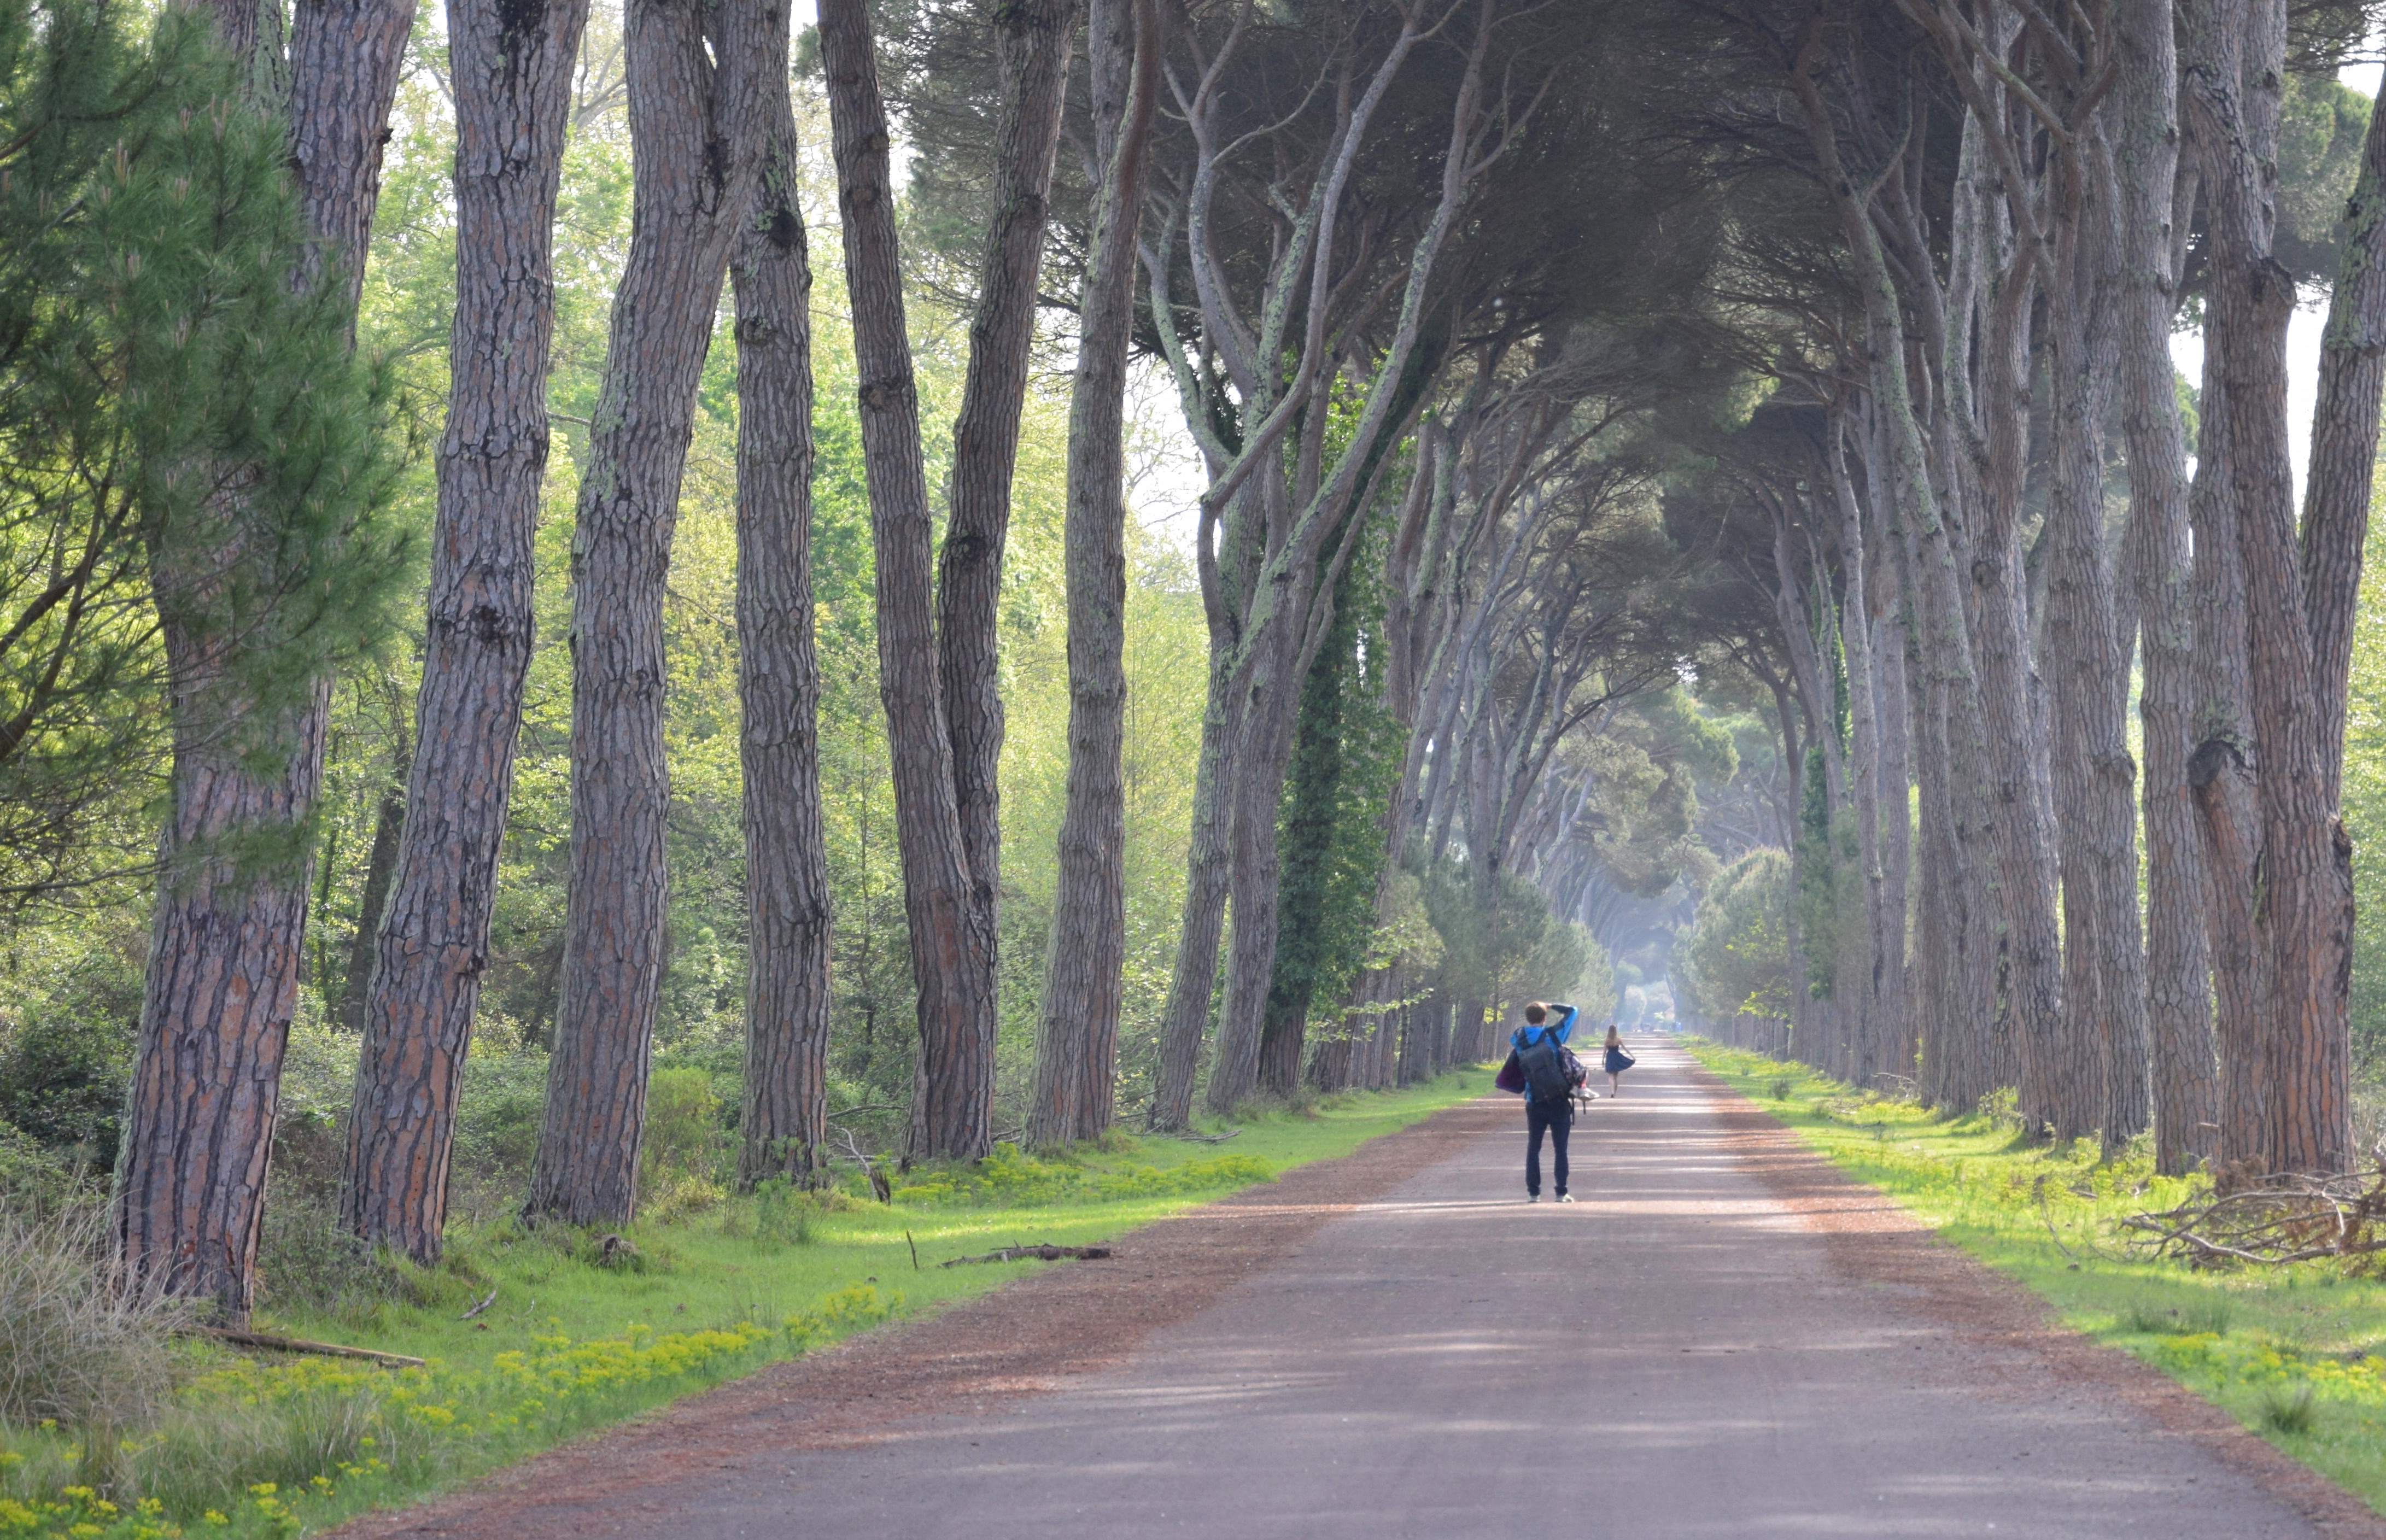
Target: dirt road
1720 1337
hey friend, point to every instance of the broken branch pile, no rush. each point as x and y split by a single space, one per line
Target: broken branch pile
2272 1220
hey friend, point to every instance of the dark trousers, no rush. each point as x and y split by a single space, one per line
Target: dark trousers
1556 1119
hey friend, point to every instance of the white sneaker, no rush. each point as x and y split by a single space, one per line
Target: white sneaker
1532 1198
1566 1198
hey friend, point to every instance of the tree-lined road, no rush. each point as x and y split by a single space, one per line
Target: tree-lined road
1719 1338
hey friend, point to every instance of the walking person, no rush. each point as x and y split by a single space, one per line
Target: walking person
1618 1061
1541 1067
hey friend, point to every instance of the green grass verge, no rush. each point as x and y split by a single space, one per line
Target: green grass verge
284 1446
2298 1354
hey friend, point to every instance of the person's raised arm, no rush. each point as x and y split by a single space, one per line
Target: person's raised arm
1565 1028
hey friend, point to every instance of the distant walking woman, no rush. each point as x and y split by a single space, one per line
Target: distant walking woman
1618 1061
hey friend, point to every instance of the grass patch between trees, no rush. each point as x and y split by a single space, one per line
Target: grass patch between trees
2297 1354
581 1334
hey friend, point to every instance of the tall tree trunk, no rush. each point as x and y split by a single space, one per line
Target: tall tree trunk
784 1119
2105 1042
2024 820
937 678
1185 1019
1896 845
225 943
1311 811
949 950
2345 446
1865 985
2179 1011
699 88
1076 1039
1256 873
954 1095
2220 778
511 76
2304 914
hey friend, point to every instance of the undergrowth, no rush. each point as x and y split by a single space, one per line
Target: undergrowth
2297 1354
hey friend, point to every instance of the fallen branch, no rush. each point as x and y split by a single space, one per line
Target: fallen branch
479 1308
1047 1252
2273 1220
300 1345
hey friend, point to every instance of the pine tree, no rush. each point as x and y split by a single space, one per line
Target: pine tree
179 413
118 350
512 87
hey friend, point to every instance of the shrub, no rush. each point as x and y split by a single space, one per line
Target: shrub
778 1215
36 1181
319 1076
62 1080
2288 1411
498 1112
683 1128
308 1260
74 1344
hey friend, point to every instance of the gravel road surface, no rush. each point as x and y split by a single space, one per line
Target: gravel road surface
1720 1337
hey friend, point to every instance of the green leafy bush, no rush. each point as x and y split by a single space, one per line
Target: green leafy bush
64 1068
498 1112
308 1260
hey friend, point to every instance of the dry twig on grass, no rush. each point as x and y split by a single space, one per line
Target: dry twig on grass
1047 1252
300 1345
2272 1220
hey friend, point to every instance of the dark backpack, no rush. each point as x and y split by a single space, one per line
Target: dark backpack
1548 1076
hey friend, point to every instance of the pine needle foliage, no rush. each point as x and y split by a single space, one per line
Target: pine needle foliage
172 400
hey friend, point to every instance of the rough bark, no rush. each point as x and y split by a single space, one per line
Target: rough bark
1903 1042
2104 1040
1255 875
954 1094
1976 643
2305 912
2024 820
1077 1040
699 83
1209 854
944 807
947 948
510 73
225 943
1871 990
784 1119
2186 1098
2220 776
2344 447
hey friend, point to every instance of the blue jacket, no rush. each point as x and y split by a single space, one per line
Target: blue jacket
1561 1029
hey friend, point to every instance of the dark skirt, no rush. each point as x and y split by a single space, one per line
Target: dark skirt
1618 1062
